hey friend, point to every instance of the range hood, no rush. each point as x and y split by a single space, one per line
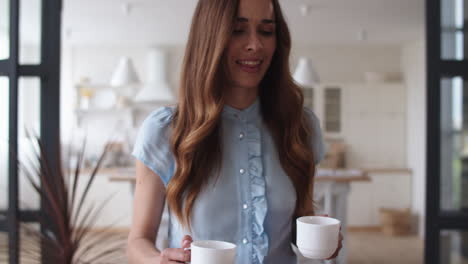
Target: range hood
156 88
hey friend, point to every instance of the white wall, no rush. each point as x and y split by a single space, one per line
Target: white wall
348 63
414 67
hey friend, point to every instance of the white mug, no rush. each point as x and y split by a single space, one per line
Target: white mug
212 252
317 236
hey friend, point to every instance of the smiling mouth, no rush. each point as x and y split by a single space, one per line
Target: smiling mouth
249 63
250 66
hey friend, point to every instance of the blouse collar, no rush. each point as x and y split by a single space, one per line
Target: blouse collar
250 113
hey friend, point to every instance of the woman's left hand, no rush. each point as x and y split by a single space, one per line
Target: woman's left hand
340 243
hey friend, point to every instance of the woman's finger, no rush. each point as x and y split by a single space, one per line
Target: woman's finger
332 257
165 260
186 241
176 254
336 253
340 246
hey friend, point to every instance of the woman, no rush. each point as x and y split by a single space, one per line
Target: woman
235 159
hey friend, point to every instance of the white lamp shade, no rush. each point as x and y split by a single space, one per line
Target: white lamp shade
305 74
125 74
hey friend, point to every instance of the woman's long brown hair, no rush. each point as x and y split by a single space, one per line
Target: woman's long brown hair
195 139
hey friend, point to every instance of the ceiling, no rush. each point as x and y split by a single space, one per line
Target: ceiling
166 22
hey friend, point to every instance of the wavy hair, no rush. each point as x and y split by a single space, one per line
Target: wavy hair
196 126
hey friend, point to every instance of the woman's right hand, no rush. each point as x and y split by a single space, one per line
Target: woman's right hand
177 255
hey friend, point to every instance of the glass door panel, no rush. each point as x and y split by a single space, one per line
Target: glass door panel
28 128
454 17
4 119
4 29
454 144
30 29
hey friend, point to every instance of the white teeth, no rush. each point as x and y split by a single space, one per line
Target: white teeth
250 63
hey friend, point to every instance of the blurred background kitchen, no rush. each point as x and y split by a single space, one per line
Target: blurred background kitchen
362 65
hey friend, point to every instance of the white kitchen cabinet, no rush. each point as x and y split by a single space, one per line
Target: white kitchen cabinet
373 129
386 189
373 123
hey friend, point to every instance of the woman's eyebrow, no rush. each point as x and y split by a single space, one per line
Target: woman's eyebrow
265 21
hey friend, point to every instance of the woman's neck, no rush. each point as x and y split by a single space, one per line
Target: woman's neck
240 98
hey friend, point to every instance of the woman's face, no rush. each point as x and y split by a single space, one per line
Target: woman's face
252 44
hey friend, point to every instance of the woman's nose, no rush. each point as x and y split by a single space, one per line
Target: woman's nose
254 43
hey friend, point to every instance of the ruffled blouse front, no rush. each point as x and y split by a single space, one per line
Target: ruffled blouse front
251 203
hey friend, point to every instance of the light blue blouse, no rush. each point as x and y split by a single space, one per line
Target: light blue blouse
253 200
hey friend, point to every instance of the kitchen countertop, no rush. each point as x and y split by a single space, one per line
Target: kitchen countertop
127 174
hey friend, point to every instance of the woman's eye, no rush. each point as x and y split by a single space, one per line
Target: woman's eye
262 32
267 33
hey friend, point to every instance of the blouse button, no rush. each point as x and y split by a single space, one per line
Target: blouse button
242 171
241 135
245 241
245 206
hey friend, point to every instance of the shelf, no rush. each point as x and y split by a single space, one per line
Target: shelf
101 111
127 114
388 170
103 101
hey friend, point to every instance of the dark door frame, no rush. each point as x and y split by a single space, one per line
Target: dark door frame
437 220
49 73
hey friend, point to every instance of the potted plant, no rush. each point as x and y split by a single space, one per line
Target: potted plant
67 233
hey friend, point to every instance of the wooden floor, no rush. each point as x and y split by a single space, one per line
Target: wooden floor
30 246
364 248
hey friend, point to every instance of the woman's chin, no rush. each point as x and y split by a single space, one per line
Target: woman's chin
248 85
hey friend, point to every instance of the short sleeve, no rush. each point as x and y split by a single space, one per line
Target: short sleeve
318 145
152 146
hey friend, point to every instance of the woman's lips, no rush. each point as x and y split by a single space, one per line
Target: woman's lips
250 66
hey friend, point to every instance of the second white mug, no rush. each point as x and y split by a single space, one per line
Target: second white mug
317 236
212 252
